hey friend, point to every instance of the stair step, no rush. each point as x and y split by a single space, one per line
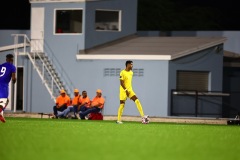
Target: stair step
42 62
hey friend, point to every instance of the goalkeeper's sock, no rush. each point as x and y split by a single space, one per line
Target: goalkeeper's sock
139 107
120 111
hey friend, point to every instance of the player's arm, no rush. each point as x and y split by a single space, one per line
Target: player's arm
123 86
121 78
14 79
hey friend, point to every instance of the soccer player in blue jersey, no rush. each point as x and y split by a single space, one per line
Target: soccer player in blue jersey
7 73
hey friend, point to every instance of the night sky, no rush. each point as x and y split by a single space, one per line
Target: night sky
174 15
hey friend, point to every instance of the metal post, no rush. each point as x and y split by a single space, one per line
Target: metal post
171 108
16 59
196 103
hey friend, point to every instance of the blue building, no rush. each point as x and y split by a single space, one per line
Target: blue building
84 44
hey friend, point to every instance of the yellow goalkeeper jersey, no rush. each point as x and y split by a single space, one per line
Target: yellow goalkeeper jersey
126 76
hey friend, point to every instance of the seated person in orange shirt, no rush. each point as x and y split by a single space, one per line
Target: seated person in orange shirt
75 102
62 102
96 105
84 102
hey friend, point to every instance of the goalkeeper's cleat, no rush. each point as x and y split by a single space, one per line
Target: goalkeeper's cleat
2 118
119 122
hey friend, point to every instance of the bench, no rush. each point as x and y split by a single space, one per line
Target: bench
48 114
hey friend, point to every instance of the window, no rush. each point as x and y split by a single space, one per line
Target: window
193 80
110 72
139 72
106 20
68 21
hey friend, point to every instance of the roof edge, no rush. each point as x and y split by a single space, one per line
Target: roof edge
231 54
122 57
119 40
199 48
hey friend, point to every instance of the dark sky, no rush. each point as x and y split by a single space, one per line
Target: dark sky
226 15
18 16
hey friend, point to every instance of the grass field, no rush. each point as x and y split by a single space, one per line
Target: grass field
57 139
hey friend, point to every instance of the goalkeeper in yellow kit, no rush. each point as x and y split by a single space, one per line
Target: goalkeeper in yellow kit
126 91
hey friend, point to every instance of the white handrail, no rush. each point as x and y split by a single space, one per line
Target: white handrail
41 71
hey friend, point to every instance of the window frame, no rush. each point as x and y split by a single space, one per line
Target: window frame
55 19
119 20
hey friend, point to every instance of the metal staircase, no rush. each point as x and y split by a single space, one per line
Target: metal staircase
45 68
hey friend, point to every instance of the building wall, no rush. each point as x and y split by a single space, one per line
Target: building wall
151 88
129 21
231 78
64 48
88 75
7 39
83 74
232 44
154 92
206 60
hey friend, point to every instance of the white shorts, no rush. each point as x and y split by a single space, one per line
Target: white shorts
3 102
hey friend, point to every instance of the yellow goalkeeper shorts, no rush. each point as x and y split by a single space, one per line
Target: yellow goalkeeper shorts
123 95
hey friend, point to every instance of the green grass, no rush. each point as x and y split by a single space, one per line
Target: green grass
57 139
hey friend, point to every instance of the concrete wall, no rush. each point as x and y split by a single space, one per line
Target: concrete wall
88 75
129 21
206 60
232 44
83 74
6 39
154 90
151 89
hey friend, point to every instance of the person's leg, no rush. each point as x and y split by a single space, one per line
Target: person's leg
66 111
123 98
3 101
4 97
75 110
145 118
3 104
60 113
63 111
138 105
90 110
120 110
83 108
55 111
